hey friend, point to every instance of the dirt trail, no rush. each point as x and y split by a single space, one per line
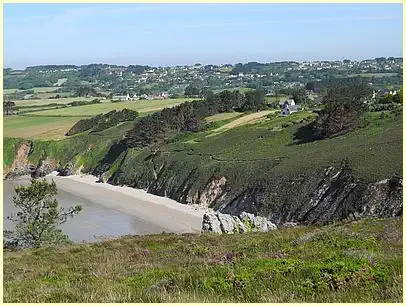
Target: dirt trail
248 119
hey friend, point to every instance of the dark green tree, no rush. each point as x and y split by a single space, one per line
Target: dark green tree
36 223
309 86
344 106
254 100
9 108
192 91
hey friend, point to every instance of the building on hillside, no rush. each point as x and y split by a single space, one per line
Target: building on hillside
289 107
121 97
289 102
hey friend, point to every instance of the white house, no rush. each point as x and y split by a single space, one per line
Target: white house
121 97
289 102
289 107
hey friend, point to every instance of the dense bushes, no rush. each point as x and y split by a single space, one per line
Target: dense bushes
187 117
101 122
344 106
81 103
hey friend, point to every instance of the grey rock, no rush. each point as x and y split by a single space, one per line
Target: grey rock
212 190
247 218
227 223
211 223
290 224
239 226
271 226
65 171
261 223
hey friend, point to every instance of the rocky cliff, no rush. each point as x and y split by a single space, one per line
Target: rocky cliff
316 196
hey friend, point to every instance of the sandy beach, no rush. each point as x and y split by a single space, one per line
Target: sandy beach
166 213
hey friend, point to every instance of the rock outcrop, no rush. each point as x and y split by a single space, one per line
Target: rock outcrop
20 165
217 222
212 190
44 167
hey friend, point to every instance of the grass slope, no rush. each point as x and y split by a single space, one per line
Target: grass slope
358 262
375 150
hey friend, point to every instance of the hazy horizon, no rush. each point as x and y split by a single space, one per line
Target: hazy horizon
186 34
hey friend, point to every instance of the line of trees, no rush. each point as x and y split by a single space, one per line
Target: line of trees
188 117
102 121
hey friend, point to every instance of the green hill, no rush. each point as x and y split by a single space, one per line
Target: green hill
357 262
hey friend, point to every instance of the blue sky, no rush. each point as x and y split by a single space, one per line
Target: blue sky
177 34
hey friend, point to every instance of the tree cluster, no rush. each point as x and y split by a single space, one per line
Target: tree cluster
84 91
160 126
102 121
344 106
192 91
81 103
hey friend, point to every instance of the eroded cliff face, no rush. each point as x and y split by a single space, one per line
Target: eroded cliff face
316 196
20 165
335 195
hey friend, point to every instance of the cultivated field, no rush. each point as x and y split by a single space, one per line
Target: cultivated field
54 123
247 119
46 95
38 127
10 91
44 101
222 116
94 109
44 89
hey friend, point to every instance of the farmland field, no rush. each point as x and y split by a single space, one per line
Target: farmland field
222 116
270 100
44 89
11 91
48 101
54 123
37 127
46 95
94 109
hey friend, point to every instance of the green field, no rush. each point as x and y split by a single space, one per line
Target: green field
356 262
94 109
10 91
54 123
270 100
45 101
222 116
47 95
45 128
44 89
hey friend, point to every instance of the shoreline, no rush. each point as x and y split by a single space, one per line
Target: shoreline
165 212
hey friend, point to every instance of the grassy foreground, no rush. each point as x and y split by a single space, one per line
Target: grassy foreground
357 262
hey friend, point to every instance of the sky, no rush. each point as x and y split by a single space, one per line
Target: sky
183 34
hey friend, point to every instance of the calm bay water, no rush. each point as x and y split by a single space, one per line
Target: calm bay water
93 223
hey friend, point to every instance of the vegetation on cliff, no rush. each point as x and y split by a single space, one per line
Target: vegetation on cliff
357 262
102 121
